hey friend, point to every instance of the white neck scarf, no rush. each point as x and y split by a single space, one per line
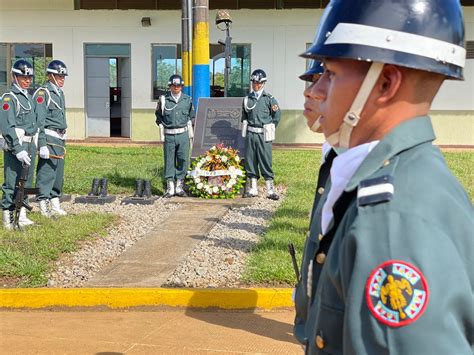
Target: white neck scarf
176 98
343 169
258 93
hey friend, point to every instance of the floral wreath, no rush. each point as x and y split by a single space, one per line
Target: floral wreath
216 174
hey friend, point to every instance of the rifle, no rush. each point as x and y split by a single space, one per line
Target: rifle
291 250
20 192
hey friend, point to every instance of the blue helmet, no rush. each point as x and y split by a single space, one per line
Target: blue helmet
423 35
258 76
314 67
176 80
57 67
22 68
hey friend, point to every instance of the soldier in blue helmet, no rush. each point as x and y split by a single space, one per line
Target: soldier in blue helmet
260 116
389 268
51 112
312 115
19 128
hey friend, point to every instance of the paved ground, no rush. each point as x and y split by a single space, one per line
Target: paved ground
147 332
154 257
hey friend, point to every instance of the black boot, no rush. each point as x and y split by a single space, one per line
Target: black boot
138 188
146 189
95 187
103 187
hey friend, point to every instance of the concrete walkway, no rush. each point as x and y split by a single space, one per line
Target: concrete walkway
147 332
150 261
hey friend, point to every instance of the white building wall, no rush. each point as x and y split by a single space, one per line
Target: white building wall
277 37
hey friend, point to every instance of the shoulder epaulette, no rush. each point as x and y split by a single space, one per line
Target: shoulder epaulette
375 190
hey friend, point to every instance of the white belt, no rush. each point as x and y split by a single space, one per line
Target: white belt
54 134
27 139
255 129
176 130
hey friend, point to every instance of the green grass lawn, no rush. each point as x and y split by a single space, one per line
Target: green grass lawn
27 255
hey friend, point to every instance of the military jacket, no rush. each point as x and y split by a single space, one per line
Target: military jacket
312 241
175 115
18 111
50 110
263 111
394 272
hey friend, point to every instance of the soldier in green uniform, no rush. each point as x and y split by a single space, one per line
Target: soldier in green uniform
51 113
174 115
260 116
312 115
19 128
389 268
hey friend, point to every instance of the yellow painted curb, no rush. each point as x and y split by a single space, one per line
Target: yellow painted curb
260 298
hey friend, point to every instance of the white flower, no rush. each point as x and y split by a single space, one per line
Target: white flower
200 186
231 169
197 180
215 189
223 158
232 182
213 147
198 166
229 185
237 158
202 161
208 158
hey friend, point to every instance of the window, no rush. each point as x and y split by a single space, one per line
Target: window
239 73
38 54
166 61
469 49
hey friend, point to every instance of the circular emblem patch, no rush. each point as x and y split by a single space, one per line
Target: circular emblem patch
5 106
39 99
396 293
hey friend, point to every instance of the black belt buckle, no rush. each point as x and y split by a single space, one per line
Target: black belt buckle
57 130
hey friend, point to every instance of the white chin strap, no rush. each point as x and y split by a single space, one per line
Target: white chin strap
315 126
352 117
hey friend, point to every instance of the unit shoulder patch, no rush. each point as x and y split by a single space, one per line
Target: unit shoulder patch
375 190
5 106
40 99
396 293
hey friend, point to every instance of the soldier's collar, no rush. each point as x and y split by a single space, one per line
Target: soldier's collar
406 135
17 90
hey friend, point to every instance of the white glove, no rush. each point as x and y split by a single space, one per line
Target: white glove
24 157
44 152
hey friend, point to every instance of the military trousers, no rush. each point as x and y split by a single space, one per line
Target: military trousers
12 170
50 172
258 157
176 154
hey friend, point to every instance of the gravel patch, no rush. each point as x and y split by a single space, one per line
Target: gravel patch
219 260
74 269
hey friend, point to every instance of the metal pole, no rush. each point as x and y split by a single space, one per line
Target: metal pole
200 50
227 54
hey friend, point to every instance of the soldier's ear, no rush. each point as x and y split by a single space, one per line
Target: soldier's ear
389 84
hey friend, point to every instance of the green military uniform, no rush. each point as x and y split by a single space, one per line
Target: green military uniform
301 298
17 118
174 116
258 153
51 112
379 278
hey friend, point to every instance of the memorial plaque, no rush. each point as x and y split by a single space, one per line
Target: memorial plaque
218 120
